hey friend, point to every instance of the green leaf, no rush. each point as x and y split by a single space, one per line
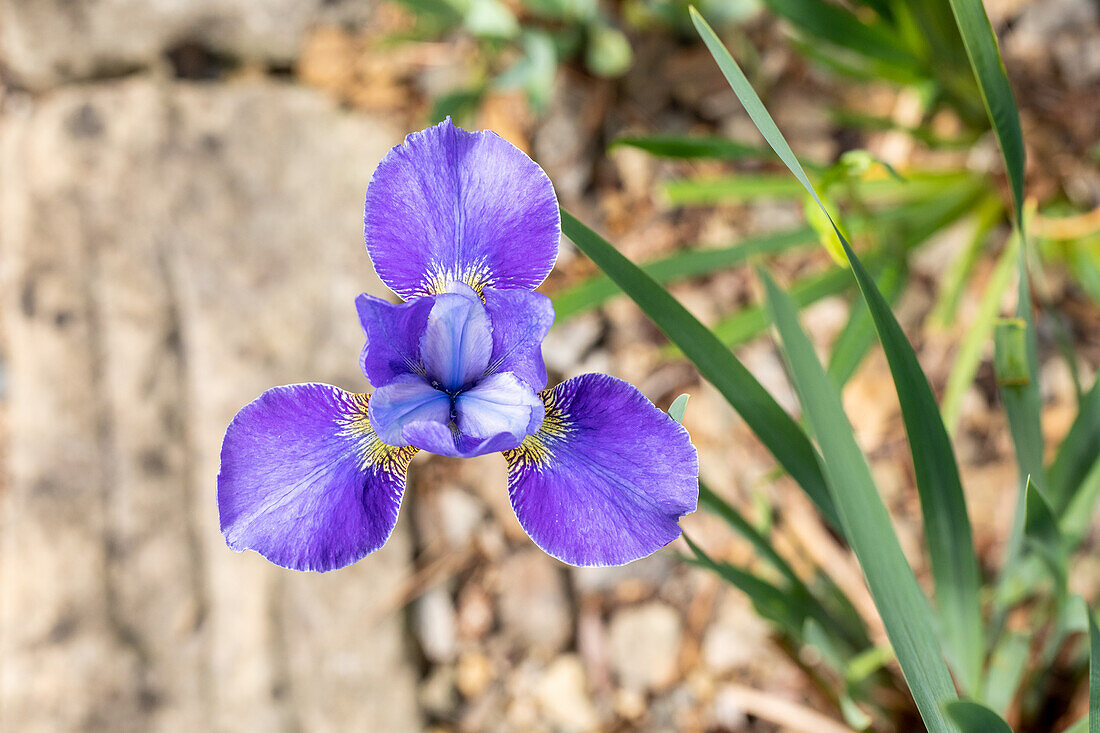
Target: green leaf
608 53
1041 530
768 600
712 502
1007 665
904 609
750 321
682 146
776 430
1077 453
969 354
589 294
947 526
1020 395
858 334
701 191
1078 515
1010 353
1000 105
1094 675
838 26
973 717
678 407
535 70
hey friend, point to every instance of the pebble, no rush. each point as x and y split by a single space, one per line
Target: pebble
434 621
645 644
735 636
562 696
534 608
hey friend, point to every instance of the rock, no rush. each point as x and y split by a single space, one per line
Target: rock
637 579
460 514
475 612
474 674
563 696
437 695
46 42
727 710
645 645
735 637
173 250
534 609
434 622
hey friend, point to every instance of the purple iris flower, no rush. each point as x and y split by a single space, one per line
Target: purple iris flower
464 226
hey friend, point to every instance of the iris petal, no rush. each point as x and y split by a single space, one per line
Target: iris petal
455 206
499 404
445 441
393 337
520 321
406 400
458 341
305 482
606 478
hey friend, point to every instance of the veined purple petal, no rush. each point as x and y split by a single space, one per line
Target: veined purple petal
445 441
406 400
606 478
458 339
455 206
499 404
520 321
305 482
393 337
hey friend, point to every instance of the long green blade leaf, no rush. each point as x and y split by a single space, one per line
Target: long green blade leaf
947 526
768 600
836 25
776 430
589 294
968 357
904 609
1000 105
1077 453
973 717
1094 674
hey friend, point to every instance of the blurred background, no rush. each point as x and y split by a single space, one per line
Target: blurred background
181 187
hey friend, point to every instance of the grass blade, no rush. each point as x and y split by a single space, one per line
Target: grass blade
1000 105
1094 675
1007 665
1077 453
769 601
838 26
1020 395
776 430
585 296
973 717
969 355
947 526
904 609
1042 532
855 339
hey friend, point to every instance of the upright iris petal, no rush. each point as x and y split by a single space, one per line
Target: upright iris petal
458 339
455 206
